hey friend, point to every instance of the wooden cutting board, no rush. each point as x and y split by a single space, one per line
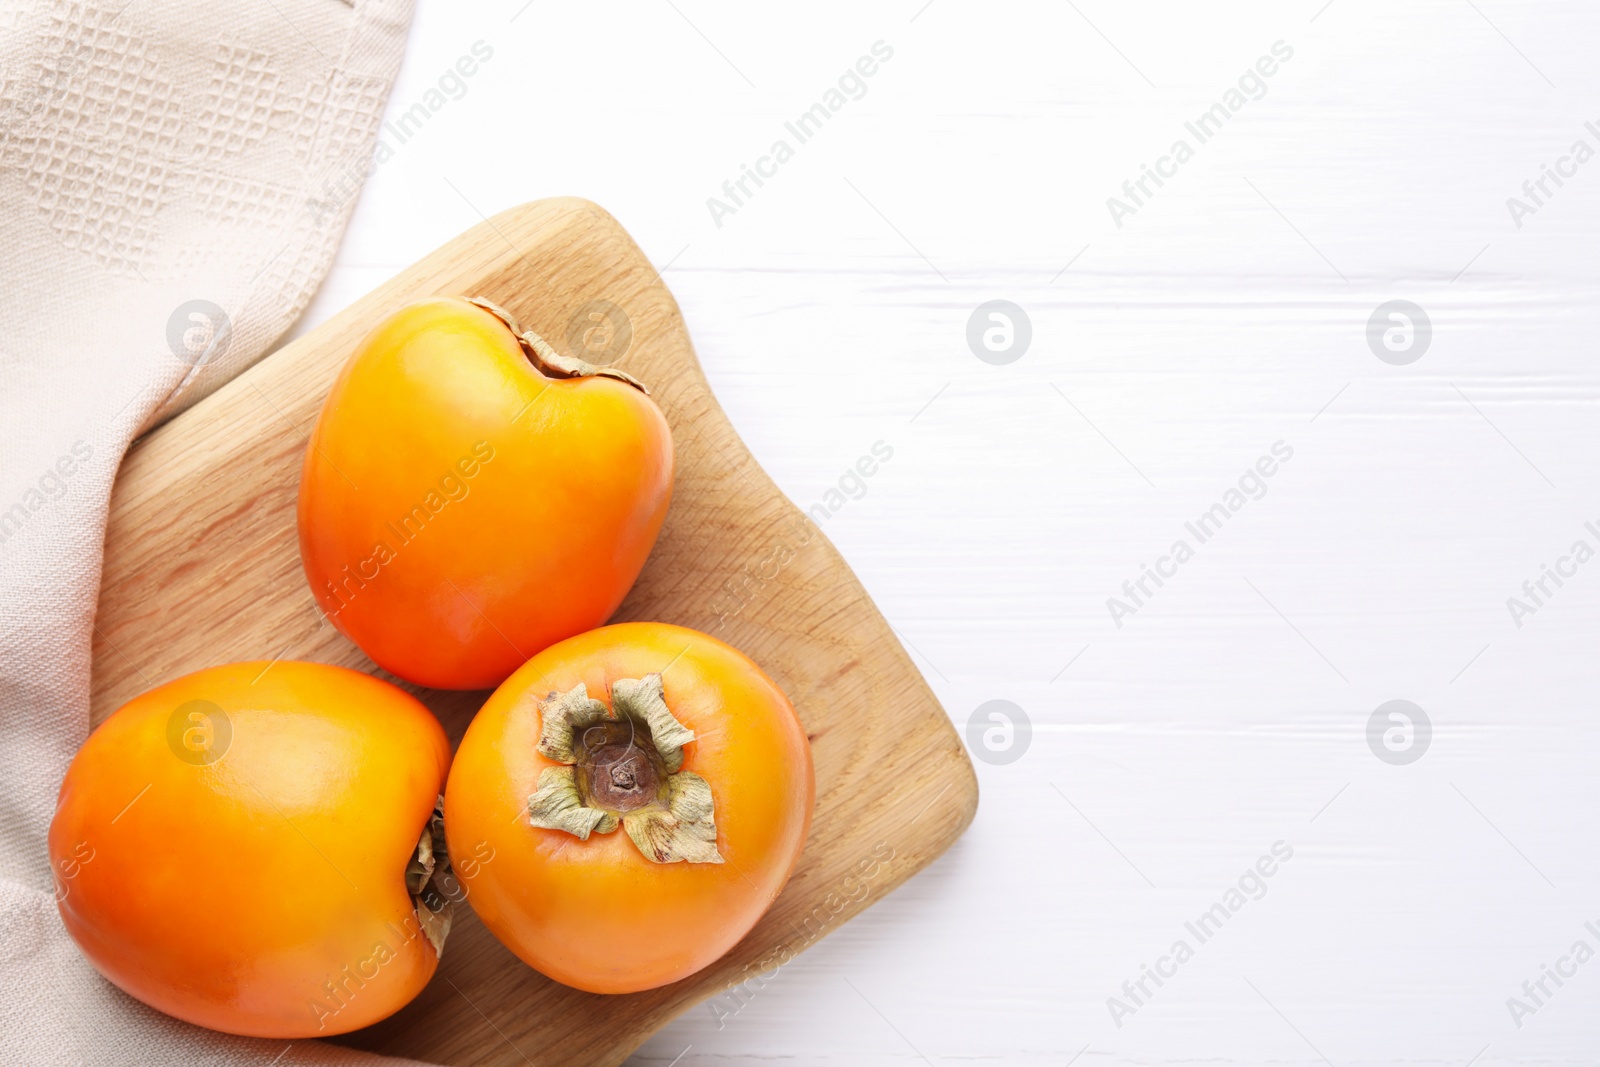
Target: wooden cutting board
202 567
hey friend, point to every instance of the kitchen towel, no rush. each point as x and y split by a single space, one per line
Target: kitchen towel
174 180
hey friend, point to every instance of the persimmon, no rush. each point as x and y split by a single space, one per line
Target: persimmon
250 848
470 496
645 791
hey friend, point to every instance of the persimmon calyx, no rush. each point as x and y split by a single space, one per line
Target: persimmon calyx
425 881
544 356
623 766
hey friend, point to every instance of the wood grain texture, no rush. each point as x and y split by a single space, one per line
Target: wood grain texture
202 567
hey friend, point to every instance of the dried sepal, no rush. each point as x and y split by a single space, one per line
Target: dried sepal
644 700
563 718
544 356
685 832
436 924
425 873
420 870
557 805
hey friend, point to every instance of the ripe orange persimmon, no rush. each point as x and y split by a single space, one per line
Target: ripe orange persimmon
645 791
470 496
242 848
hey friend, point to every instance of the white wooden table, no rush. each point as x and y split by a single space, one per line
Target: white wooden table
1172 346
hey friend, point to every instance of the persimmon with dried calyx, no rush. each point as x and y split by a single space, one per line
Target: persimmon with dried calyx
255 848
645 790
470 496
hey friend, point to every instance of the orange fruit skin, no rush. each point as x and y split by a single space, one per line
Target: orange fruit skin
596 914
243 893
459 510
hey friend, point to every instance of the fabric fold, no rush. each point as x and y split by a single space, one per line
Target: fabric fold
163 220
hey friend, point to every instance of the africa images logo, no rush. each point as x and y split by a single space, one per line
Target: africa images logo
1252 485
1204 126
851 85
